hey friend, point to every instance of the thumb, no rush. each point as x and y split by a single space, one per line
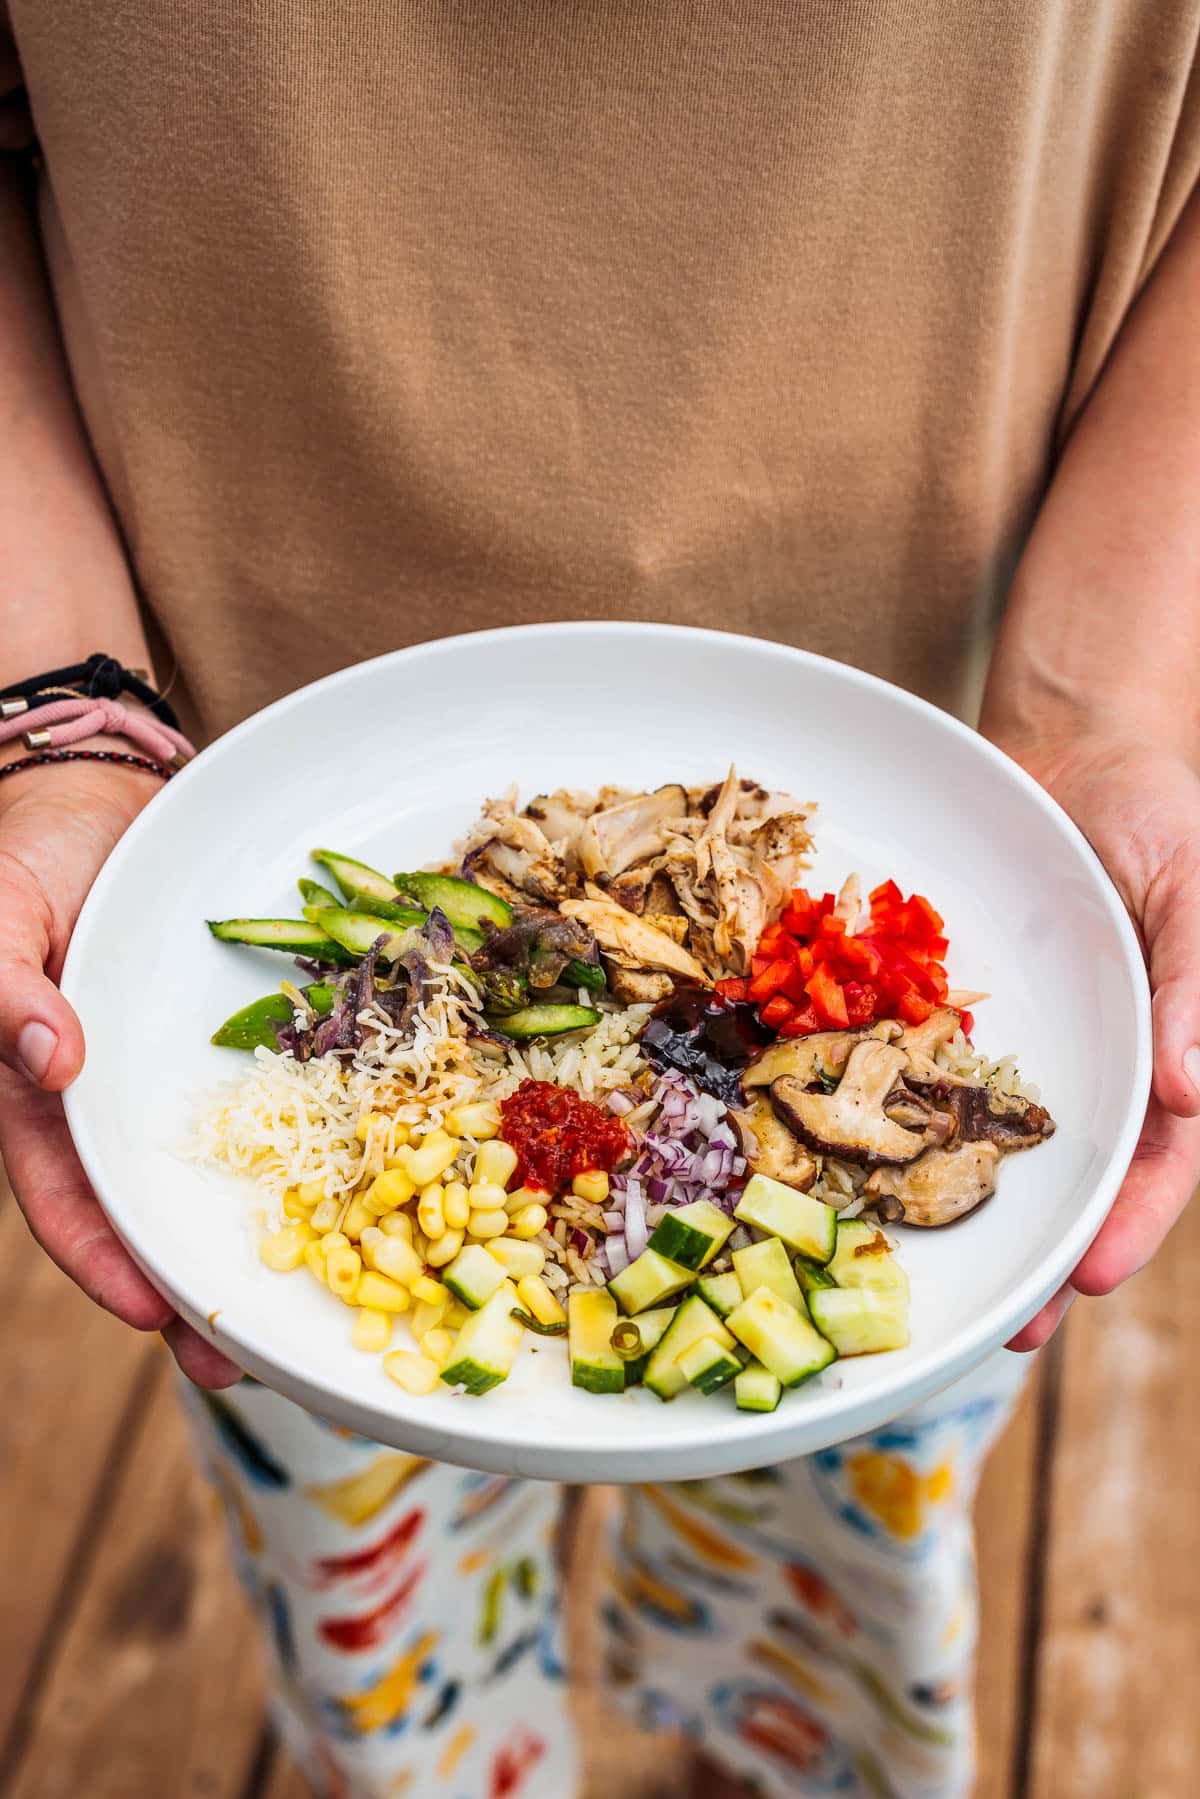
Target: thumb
1173 936
40 1036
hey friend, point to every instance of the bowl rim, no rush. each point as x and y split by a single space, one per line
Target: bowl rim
764 1436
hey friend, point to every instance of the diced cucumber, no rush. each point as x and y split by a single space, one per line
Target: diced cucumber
709 1365
691 1322
544 1021
647 1281
486 1346
805 1223
766 1264
473 1276
780 1337
297 936
811 1274
356 932
313 894
859 1261
463 902
584 974
356 879
595 1364
692 1235
756 1390
861 1320
651 1327
255 1024
720 1291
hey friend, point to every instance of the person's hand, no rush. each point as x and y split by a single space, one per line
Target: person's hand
57 825
1140 810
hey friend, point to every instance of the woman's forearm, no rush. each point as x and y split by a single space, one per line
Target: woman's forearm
1102 630
65 589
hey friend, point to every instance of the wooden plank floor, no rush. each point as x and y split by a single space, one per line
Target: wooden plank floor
128 1666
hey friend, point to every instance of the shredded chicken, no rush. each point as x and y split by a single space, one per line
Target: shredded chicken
629 940
508 851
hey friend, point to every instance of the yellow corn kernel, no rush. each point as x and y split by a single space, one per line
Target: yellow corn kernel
525 1196
486 1196
480 1120
426 1318
430 1215
592 1186
372 1330
284 1248
456 1205
326 1215
517 1258
420 1243
314 1258
343 1270
415 1373
371 1124
528 1221
397 1259
335 1240
441 1253
357 1220
380 1294
310 1193
537 1298
390 1189
294 1207
436 1153
429 1292
368 1243
397 1224
495 1162
456 1316
438 1345
482 1225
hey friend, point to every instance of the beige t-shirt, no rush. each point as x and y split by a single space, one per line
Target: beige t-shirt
393 318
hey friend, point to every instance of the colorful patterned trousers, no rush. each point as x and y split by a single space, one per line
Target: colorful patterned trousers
811 1626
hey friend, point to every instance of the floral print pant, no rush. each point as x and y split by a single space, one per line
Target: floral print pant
811 1625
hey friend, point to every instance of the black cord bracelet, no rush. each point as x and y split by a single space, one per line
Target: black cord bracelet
100 677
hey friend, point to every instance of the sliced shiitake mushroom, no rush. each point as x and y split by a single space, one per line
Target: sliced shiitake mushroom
852 1122
940 1186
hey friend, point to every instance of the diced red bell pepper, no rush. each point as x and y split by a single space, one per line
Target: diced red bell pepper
826 995
802 1023
913 1007
767 984
860 1004
968 1023
733 988
776 1012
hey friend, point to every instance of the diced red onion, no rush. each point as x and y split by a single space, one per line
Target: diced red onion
615 1253
620 1104
614 1220
636 1234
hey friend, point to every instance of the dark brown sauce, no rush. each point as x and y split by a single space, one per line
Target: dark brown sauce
709 1040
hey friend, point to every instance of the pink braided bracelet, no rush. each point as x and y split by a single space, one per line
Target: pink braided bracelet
69 721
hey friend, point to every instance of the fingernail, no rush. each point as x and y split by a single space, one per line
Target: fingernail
35 1049
1191 1065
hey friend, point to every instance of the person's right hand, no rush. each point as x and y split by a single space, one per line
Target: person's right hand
57 825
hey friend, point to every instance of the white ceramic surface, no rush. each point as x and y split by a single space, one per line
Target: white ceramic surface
388 760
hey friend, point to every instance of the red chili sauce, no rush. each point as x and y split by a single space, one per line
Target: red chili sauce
558 1135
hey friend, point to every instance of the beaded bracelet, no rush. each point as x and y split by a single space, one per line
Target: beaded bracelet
47 757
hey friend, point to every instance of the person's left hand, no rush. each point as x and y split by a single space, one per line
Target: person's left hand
1140 810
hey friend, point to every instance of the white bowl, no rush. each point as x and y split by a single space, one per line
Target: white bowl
389 761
